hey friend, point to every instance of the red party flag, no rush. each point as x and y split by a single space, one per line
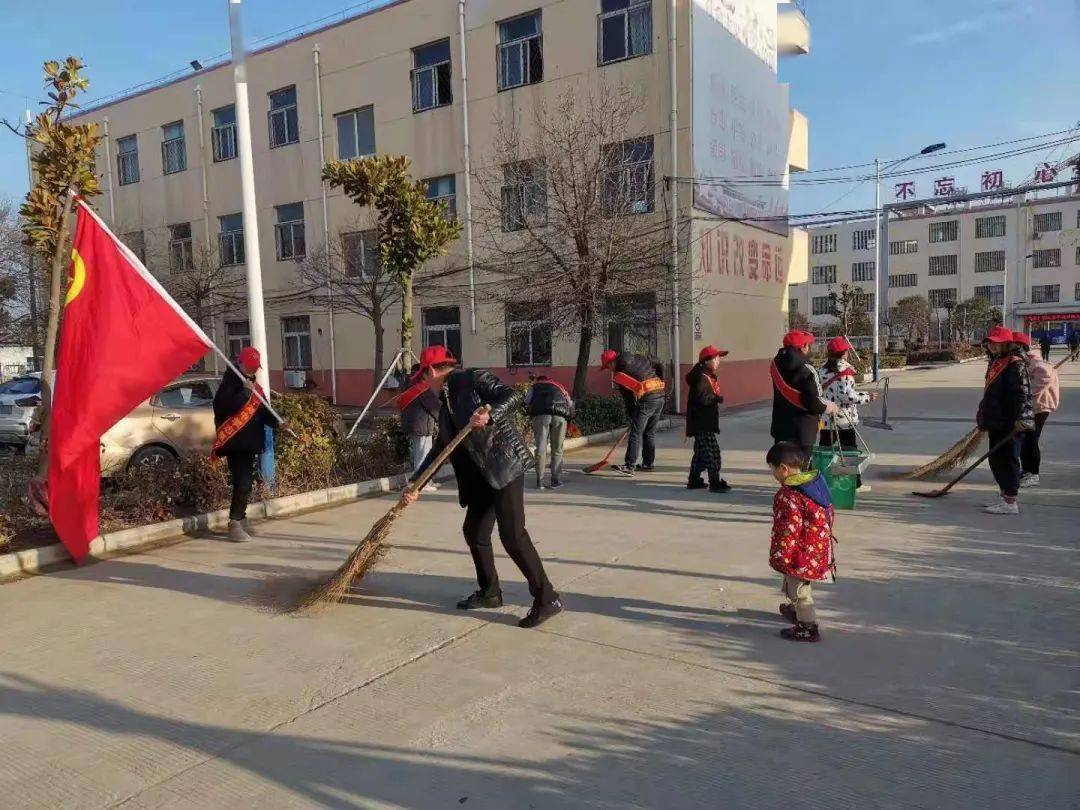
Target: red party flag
122 339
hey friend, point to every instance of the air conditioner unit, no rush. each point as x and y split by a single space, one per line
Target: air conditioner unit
296 379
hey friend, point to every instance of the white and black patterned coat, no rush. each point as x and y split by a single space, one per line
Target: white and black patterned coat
839 387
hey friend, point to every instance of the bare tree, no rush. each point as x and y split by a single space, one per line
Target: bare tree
22 286
567 214
350 268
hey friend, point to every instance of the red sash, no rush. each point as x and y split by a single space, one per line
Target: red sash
234 424
713 383
997 367
847 372
409 395
788 392
565 393
635 386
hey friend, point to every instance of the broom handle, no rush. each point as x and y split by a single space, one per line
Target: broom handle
982 458
440 459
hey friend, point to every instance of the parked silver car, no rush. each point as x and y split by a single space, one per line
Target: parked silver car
19 397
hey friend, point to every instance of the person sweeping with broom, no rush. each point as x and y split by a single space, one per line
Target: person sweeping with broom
1006 412
642 389
490 465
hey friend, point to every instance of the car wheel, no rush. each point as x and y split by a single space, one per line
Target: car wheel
154 456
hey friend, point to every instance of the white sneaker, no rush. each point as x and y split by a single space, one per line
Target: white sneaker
864 488
1003 507
431 486
1028 480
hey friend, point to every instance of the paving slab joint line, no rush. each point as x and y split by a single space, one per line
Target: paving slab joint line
738 673
480 625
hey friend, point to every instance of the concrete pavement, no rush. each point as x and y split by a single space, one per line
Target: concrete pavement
947 677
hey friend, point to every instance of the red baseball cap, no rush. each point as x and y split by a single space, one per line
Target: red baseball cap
1022 337
607 357
839 344
249 359
999 334
797 338
709 352
434 356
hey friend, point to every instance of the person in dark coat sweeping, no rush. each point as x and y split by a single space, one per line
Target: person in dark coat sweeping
241 421
798 404
1006 407
642 388
490 468
550 407
703 421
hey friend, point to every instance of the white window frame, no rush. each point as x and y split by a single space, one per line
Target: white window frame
863 239
127 161
990 261
237 340
863 271
302 337
449 199
181 254
368 244
231 244
631 180
643 8
418 104
1045 291
438 334
944 231
532 325
289 228
990 227
821 305
942 266
823 243
903 247
290 123
823 274
524 196
354 114
223 137
524 47
173 150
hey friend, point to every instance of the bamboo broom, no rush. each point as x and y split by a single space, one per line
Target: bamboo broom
372 547
951 458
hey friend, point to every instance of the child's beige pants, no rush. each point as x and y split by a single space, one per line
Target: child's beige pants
801 597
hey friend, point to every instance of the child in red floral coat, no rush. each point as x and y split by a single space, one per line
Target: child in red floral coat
802 538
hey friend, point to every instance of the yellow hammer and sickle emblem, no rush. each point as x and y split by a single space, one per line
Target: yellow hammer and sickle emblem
78 277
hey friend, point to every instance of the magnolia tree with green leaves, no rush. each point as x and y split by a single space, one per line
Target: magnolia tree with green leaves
411 228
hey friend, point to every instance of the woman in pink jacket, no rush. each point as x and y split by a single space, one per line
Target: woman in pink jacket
1045 398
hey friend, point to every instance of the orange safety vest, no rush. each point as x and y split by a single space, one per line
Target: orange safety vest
637 387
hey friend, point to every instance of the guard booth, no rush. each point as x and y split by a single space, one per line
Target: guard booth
1058 326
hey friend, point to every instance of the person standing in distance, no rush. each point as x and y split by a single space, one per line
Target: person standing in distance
798 404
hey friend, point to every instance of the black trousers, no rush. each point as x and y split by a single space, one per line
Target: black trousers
1005 462
1030 457
242 470
484 508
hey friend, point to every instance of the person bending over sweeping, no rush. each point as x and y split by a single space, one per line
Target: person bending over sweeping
490 469
837 377
241 422
703 421
550 407
797 402
642 389
1005 407
1045 398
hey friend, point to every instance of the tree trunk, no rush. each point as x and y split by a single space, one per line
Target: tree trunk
585 341
376 322
56 303
35 327
406 319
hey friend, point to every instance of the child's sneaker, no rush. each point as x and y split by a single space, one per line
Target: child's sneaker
801 632
1003 507
1029 480
788 612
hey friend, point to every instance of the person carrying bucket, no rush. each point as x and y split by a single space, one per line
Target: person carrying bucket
837 377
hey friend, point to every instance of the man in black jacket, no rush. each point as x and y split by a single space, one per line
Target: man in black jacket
1006 407
241 422
550 407
797 401
490 468
642 388
703 420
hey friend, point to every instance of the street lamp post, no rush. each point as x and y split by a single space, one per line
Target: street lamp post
935 147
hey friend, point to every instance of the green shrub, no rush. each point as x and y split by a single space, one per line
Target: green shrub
596 414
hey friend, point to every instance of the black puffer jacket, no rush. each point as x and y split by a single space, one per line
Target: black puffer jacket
548 399
1006 402
641 368
790 423
497 452
702 404
231 396
421 415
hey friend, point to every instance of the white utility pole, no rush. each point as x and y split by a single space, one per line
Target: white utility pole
875 358
676 360
326 224
256 318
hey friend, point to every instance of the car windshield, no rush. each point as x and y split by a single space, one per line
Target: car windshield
21 385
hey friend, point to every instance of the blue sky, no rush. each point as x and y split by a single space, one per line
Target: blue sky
884 77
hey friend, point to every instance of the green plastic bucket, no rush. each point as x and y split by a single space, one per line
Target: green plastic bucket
841 487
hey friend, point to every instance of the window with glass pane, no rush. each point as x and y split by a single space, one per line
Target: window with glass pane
943 265
356 133
1047 257
431 76
823 274
942 297
442 327
361 253
524 195
863 240
824 243
904 280
237 337
284 127
127 160
821 305
289 231
1046 293
180 255
296 341
632 323
628 180
994 293
862 271
223 133
188 395
990 261
793 305
1050 221
444 190
903 246
173 150
231 239
520 51
528 335
986 227
624 29
945 231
